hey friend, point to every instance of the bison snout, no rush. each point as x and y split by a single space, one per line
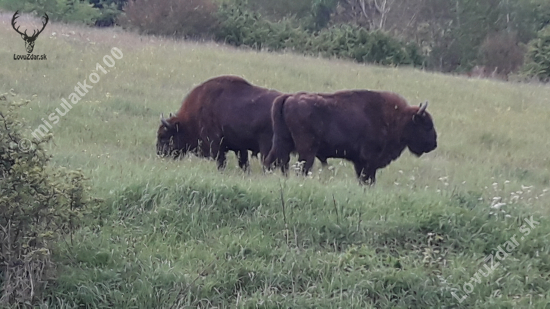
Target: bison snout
162 150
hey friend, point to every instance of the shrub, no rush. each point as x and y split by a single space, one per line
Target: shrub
189 18
109 9
38 204
240 26
537 63
502 53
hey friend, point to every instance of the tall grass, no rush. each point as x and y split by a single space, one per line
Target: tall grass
178 234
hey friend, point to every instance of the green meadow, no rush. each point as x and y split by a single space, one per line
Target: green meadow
181 234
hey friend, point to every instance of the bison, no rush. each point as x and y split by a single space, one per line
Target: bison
222 114
368 128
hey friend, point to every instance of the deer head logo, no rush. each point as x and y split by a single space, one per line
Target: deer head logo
29 40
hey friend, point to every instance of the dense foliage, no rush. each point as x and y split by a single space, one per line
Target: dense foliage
38 204
243 27
538 56
447 36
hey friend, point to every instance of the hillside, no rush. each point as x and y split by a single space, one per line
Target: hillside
178 234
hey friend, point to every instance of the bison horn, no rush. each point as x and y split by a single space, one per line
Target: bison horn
164 122
422 108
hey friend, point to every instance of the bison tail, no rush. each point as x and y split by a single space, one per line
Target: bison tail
280 128
282 143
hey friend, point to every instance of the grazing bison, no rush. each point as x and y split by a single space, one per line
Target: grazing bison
223 113
368 128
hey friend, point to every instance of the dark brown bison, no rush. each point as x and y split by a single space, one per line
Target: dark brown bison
222 114
368 128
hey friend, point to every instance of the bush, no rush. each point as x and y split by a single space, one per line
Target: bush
109 9
241 27
537 63
38 204
189 18
502 53
354 42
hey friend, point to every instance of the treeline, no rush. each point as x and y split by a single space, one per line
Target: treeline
501 36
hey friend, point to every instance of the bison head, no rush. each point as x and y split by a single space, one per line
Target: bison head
169 138
420 134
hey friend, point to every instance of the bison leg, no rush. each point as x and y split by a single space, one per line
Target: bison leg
269 160
218 151
264 152
279 158
308 160
307 151
365 174
243 159
221 161
265 147
284 164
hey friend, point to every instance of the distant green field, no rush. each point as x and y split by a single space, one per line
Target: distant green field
181 234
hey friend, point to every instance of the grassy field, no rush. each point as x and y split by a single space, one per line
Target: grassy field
180 234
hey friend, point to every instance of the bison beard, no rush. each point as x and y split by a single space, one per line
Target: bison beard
370 129
222 114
